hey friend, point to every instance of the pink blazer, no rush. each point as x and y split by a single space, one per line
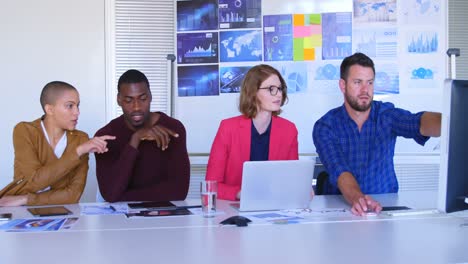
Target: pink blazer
231 147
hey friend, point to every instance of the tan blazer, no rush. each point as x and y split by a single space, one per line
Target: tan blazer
36 167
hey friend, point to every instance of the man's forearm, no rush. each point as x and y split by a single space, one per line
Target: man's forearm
349 187
430 124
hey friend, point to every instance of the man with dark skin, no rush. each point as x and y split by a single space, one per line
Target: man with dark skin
148 161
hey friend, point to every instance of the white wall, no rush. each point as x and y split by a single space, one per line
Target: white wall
47 40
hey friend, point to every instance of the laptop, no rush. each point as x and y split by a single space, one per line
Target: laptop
275 185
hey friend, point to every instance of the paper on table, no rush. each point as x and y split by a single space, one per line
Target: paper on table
328 212
103 209
38 224
274 218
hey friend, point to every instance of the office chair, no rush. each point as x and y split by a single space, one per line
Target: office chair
322 183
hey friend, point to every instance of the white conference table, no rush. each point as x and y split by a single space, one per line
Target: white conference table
431 238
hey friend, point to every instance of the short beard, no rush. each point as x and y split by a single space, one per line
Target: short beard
355 105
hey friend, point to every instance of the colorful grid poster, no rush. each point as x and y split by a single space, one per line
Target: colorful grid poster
277 38
307 36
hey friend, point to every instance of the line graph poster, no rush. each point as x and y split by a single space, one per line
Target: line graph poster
197 47
376 42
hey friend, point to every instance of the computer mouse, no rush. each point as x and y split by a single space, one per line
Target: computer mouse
236 220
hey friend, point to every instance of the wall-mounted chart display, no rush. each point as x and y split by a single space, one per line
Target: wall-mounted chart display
306 40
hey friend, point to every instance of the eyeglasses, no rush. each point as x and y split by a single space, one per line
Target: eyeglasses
273 89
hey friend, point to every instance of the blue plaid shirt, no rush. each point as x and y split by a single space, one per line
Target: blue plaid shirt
368 154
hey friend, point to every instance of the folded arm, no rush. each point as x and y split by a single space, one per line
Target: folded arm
176 186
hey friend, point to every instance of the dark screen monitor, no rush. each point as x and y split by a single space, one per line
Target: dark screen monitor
453 184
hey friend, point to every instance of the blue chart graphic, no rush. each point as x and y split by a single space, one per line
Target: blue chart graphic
424 12
278 38
231 78
197 47
328 72
422 73
198 80
336 34
197 15
423 43
295 75
240 13
240 45
387 79
376 43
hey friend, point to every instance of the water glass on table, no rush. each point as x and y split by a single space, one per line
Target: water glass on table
208 191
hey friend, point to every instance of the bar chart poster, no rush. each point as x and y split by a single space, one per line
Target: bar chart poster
277 38
240 14
202 80
230 78
422 42
307 36
337 35
240 45
197 15
197 47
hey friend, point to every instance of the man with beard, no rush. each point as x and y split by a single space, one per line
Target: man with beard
148 160
356 141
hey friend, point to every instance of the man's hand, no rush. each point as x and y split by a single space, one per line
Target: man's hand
13 200
96 144
160 134
360 203
364 204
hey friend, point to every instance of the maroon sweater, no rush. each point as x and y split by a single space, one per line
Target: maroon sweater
147 173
